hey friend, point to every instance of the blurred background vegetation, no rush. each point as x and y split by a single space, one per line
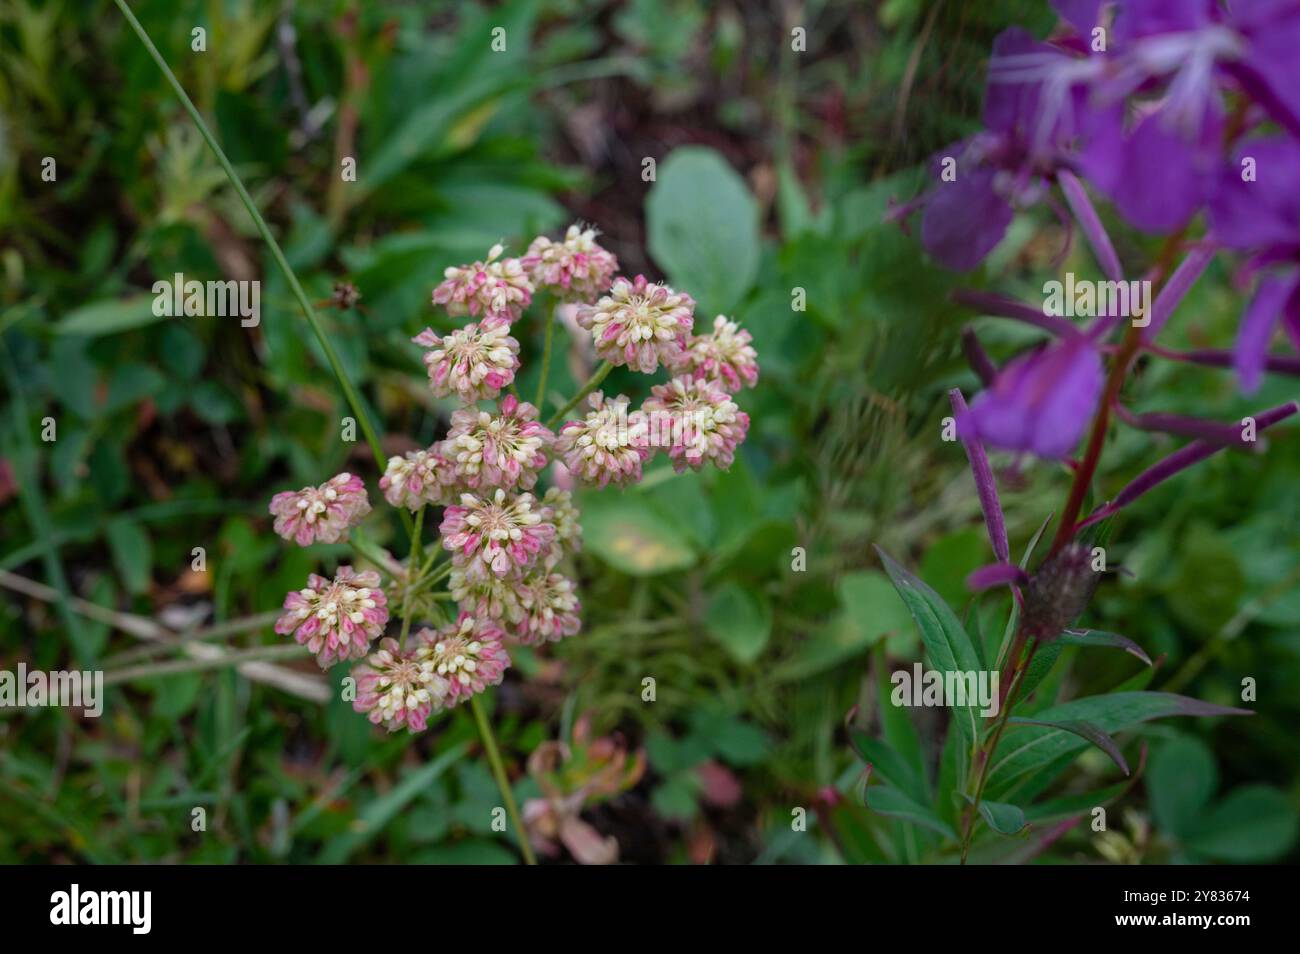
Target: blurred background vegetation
775 168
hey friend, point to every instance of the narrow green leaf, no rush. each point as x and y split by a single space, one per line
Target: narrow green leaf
886 800
1038 746
1084 730
1097 637
947 644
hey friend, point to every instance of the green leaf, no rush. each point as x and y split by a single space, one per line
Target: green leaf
132 553
886 800
627 534
1003 818
1097 637
376 816
946 642
1038 746
900 733
1254 823
1180 783
888 764
702 226
1084 730
740 620
109 316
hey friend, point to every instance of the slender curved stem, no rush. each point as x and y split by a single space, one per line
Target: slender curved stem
503 783
546 356
295 286
593 382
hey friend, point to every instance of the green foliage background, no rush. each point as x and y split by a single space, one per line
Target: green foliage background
774 172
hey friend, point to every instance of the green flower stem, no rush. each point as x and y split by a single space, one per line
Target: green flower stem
412 561
503 783
295 286
1019 664
546 356
593 382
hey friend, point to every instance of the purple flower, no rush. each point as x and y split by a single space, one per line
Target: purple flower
1034 113
1041 402
1260 214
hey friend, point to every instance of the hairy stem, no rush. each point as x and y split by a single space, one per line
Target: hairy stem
503 783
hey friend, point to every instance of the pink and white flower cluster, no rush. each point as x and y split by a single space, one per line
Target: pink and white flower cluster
506 542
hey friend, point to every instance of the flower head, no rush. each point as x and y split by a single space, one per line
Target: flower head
398 690
320 513
560 512
696 420
336 619
550 608
609 444
499 534
487 595
576 269
503 451
498 289
725 355
474 362
418 478
1040 402
469 653
639 324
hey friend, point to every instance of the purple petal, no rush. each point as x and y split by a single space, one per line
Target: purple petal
1091 225
1041 402
985 486
965 219
1080 14
996 574
1179 284
1155 177
1257 326
1179 461
1263 213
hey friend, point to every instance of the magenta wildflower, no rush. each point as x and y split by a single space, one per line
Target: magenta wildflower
474 362
1035 116
608 445
725 355
321 513
336 619
420 477
503 451
575 269
1041 402
398 689
498 289
469 653
639 324
696 420
499 535
1262 217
